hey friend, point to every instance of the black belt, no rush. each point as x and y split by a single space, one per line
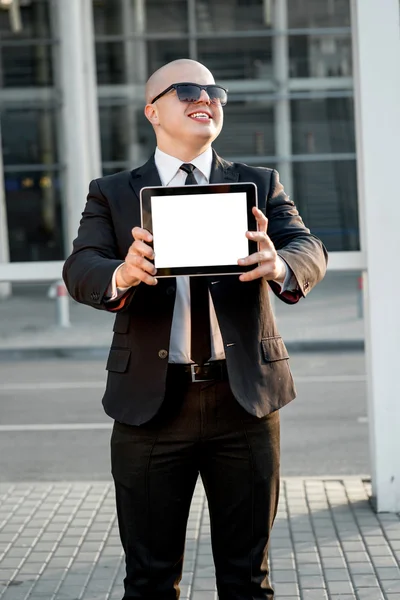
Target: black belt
213 371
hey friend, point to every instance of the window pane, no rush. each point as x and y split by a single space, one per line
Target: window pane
320 56
34 216
35 21
116 135
236 58
318 13
323 126
29 136
126 135
163 51
326 196
110 62
107 15
232 15
25 66
168 17
157 16
248 130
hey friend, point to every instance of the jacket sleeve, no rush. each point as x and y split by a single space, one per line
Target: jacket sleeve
303 252
89 269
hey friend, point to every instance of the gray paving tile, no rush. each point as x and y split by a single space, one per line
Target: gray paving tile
312 569
391 586
340 587
384 562
68 532
286 576
312 581
361 568
204 584
69 592
363 580
286 589
307 557
205 571
333 563
13 594
314 594
283 563
336 574
370 594
388 573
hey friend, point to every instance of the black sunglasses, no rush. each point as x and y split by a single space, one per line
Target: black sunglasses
191 92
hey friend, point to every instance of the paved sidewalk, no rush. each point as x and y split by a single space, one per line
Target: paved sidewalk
60 542
328 318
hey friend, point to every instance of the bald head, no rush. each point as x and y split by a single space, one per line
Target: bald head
183 69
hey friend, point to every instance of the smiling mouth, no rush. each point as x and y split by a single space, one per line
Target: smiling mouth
200 116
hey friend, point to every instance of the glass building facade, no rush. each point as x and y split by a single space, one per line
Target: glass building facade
287 65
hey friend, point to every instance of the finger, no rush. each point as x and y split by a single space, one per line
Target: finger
261 238
258 257
139 247
139 233
146 278
139 262
257 273
262 221
138 273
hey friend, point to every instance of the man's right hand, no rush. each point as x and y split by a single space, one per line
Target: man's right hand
136 267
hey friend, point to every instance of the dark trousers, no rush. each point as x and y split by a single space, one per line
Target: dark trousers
200 429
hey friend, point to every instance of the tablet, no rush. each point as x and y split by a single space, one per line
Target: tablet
200 229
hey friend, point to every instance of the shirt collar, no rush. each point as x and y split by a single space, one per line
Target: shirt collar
168 166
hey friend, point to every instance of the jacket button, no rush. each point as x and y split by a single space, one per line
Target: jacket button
162 353
170 290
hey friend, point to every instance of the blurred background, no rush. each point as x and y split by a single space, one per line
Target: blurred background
289 73
72 76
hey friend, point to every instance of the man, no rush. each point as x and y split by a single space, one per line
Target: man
174 421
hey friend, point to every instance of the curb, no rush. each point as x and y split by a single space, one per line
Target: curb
101 352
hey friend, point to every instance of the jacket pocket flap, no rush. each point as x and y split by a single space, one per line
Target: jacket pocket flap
118 360
274 349
121 323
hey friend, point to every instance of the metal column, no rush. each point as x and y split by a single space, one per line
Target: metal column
283 127
377 95
77 71
5 287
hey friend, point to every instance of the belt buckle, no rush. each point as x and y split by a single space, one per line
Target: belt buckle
193 375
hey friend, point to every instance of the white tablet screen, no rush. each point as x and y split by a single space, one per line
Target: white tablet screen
199 230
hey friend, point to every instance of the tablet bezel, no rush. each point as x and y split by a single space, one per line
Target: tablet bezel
250 189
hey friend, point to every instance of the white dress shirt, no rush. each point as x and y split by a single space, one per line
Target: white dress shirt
170 173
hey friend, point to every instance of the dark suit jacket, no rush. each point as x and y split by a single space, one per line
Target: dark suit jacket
256 356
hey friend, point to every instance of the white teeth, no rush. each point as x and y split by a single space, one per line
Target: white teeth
200 116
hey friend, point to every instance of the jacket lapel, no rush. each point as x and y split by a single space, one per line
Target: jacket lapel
145 176
222 171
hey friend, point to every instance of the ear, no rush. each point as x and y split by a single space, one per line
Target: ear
151 114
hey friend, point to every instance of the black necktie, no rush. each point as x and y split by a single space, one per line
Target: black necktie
189 168
199 303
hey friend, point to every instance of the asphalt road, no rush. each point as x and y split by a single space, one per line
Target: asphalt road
52 425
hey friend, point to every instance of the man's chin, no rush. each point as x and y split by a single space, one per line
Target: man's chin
203 133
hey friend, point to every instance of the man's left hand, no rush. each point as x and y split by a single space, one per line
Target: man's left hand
269 264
